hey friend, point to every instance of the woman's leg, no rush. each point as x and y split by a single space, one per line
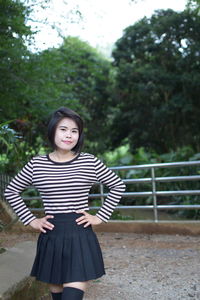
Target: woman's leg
56 291
74 290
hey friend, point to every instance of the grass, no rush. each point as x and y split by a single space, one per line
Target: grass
32 290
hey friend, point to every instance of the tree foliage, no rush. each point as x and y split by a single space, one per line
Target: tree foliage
13 55
34 84
157 82
193 4
74 75
154 83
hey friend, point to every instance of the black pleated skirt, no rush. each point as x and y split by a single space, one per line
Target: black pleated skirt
68 253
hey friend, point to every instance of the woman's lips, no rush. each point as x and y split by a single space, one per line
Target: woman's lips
67 142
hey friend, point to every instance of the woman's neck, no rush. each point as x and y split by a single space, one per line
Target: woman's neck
62 156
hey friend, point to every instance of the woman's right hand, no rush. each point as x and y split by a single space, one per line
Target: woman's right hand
42 223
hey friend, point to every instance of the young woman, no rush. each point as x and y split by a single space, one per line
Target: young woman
68 253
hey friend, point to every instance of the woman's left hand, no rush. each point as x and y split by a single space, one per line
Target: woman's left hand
88 219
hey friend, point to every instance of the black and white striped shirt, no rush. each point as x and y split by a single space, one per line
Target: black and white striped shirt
64 187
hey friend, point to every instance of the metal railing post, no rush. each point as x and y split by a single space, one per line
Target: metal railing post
155 209
101 192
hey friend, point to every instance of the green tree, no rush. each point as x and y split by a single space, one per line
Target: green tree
193 4
34 84
13 53
157 82
73 75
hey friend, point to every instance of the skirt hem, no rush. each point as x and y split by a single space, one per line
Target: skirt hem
72 280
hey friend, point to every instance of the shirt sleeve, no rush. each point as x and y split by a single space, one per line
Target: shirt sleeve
13 193
116 189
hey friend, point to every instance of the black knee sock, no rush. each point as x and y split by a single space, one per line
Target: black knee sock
70 293
56 296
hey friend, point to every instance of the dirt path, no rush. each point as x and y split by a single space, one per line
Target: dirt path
141 267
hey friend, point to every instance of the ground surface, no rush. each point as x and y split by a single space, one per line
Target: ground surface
140 267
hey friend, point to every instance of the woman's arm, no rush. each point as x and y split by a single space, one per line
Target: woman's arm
12 193
116 189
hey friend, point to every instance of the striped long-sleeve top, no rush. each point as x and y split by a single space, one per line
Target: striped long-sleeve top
64 186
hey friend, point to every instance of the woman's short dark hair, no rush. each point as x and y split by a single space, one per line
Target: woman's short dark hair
57 116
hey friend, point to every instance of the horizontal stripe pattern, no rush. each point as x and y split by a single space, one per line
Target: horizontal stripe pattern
64 187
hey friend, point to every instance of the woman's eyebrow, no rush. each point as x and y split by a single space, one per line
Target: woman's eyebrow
62 126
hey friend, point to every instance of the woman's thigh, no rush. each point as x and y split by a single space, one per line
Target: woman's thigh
82 285
56 288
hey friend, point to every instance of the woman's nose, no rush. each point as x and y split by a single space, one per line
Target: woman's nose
68 134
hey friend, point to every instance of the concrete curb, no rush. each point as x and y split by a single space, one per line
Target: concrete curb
15 266
182 228
141 227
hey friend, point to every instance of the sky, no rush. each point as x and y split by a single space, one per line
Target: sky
101 23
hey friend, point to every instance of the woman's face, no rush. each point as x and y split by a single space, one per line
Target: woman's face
66 135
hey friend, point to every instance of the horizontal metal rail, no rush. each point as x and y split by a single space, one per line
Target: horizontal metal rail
145 207
160 207
163 179
135 194
158 193
157 166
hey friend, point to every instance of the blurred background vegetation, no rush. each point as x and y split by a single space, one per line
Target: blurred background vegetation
140 106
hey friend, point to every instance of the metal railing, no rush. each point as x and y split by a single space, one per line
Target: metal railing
154 193
4 180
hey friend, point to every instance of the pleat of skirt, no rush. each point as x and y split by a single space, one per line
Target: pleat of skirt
68 253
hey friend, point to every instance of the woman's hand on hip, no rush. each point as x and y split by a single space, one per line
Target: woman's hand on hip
87 219
42 223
